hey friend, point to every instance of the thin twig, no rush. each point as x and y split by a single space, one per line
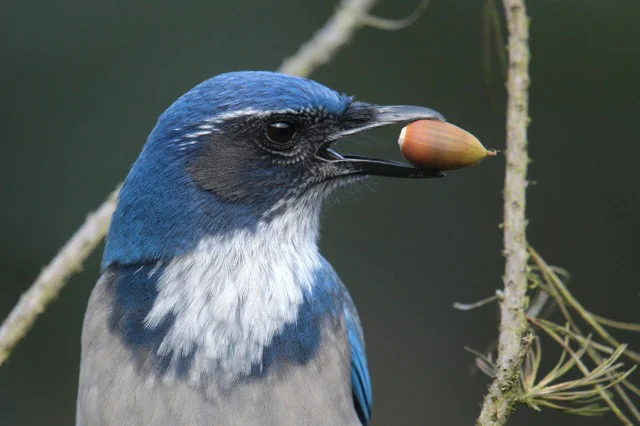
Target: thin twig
577 306
554 288
571 334
503 392
585 371
53 277
338 30
396 24
470 306
620 325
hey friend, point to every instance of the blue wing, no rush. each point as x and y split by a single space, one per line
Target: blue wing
360 381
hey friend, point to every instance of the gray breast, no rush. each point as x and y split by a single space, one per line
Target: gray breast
118 387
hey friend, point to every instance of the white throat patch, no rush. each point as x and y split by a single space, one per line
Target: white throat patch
234 293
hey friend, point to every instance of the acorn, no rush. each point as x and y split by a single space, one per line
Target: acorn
437 145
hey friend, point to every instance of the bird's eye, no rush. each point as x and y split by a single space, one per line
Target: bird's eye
281 133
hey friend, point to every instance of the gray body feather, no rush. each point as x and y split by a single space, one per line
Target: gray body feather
115 389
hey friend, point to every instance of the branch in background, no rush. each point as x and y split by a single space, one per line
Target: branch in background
556 288
515 339
604 375
53 277
340 28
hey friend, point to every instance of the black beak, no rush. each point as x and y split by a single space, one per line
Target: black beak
362 116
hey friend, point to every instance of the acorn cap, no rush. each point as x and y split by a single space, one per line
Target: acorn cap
437 145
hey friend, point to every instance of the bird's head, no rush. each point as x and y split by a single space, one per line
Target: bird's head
237 148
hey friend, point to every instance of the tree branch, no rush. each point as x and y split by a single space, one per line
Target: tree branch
338 30
54 276
514 335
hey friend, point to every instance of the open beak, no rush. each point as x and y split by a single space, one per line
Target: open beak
364 116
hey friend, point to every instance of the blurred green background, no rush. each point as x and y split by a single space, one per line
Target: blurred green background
81 85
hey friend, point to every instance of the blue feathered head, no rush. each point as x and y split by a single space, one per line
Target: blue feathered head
232 151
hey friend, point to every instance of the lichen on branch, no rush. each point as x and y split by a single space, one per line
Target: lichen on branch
515 339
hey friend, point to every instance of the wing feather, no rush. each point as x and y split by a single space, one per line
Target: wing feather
360 380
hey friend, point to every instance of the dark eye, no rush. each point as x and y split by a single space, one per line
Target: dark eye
281 133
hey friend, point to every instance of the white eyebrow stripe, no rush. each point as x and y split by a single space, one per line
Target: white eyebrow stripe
210 125
196 134
235 114
254 112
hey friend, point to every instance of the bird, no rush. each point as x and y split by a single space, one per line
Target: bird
214 305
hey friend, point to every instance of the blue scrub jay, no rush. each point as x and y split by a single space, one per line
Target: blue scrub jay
215 305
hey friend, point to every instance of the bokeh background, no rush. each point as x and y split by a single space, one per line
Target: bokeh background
81 85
